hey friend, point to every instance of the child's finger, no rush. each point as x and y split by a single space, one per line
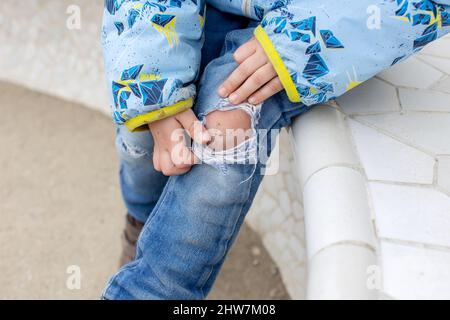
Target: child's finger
195 129
168 167
252 84
181 156
245 51
166 163
272 87
156 163
241 73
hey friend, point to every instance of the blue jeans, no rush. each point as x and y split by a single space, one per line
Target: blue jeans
192 220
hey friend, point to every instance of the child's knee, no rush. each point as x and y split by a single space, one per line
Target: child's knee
228 128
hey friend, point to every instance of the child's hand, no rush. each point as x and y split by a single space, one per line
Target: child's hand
170 154
255 78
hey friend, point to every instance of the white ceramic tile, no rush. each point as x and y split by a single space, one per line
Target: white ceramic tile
297 210
276 215
285 250
415 273
444 172
292 184
439 48
321 139
341 272
384 158
424 100
426 130
336 209
372 96
296 284
270 186
284 163
285 202
267 204
411 213
294 230
442 64
443 85
265 214
275 242
411 73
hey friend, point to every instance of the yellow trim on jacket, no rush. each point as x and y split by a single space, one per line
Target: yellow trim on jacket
137 123
278 64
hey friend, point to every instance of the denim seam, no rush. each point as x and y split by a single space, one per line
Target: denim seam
163 198
227 241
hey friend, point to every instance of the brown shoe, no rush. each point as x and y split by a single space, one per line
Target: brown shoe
130 236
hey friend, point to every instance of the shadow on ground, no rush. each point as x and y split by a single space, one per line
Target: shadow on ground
60 206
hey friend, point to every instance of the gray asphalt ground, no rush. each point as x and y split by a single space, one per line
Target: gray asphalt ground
60 207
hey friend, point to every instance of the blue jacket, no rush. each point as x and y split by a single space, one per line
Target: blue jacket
319 48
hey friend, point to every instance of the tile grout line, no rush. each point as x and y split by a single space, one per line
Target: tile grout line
415 244
440 81
435 171
355 243
391 135
419 57
412 184
399 100
433 55
366 184
334 165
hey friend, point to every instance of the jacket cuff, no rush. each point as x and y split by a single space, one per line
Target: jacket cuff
278 64
138 123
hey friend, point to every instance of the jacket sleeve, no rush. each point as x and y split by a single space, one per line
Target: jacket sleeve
152 57
323 48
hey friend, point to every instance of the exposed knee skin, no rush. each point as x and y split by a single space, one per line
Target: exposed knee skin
228 128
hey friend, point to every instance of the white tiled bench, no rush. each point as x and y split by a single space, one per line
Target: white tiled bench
374 172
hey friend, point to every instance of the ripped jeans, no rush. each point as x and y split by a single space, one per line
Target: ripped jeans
191 220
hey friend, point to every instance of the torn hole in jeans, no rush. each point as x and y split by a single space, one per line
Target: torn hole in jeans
245 152
130 150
